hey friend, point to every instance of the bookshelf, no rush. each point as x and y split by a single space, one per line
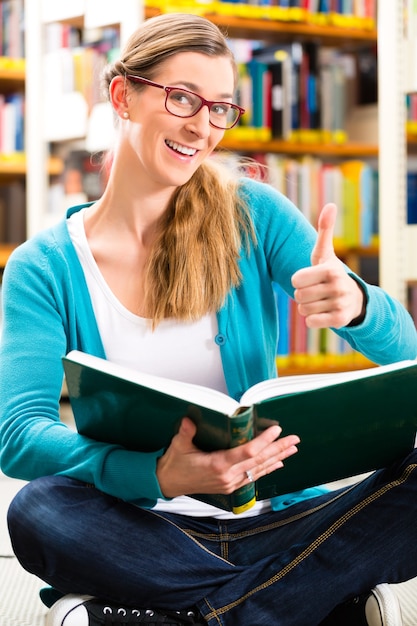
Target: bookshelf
410 70
12 165
246 26
393 149
95 13
347 150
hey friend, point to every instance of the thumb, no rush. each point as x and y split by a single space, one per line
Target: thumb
187 430
324 250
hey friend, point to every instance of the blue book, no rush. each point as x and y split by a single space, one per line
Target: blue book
367 202
16 101
324 6
411 197
257 70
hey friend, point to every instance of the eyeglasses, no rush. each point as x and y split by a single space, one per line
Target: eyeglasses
184 103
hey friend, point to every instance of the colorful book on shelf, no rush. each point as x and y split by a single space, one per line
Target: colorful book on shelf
411 197
358 202
277 58
261 94
348 423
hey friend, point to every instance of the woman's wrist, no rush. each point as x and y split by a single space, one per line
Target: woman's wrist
359 318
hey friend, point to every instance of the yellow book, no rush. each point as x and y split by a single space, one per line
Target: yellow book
352 173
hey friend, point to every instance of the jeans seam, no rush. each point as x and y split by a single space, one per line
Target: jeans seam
316 543
187 533
260 529
224 539
213 614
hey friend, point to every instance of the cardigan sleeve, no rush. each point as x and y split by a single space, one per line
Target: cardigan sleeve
45 313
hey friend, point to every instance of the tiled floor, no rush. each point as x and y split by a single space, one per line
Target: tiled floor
19 591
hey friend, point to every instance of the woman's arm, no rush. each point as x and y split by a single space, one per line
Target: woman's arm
385 333
45 313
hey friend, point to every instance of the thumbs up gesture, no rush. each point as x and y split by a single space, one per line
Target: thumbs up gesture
325 294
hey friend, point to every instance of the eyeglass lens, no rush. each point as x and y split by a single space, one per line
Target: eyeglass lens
185 104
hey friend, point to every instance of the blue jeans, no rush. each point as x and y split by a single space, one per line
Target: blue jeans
286 568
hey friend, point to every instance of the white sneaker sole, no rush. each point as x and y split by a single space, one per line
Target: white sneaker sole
68 611
382 607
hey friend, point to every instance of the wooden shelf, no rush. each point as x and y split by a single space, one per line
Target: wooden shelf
12 165
349 149
249 28
258 28
245 28
55 166
5 251
411 142
305 364
363 251
12 75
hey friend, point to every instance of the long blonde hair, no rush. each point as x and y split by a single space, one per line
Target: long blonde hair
194 261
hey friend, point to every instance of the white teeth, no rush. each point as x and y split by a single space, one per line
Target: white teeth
179 148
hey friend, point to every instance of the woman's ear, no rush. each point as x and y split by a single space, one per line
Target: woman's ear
118 96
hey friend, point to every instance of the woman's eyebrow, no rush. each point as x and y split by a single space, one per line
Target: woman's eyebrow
194 87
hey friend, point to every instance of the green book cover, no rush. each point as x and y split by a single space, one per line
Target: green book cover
348 423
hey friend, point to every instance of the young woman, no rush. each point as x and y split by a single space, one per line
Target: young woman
171 272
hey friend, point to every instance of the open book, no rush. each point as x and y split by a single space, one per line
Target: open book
348 422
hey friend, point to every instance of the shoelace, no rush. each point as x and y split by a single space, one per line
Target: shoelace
184 617
122 615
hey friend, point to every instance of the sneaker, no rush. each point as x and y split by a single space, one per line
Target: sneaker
393 605
74 610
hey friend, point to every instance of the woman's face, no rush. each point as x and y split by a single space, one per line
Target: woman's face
169 149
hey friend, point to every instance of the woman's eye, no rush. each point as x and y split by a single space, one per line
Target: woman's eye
220 109
182 98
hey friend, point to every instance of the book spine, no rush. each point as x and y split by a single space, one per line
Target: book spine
242 431
412 197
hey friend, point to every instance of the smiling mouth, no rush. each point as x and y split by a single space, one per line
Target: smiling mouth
177 147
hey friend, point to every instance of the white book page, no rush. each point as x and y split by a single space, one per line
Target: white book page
197 394
305 382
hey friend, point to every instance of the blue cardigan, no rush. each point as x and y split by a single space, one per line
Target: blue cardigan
47 312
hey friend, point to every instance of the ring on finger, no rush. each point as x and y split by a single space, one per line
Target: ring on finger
249 476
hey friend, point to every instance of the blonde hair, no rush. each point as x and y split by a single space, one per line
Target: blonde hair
194 262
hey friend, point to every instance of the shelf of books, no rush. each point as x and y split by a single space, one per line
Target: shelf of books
12 158
273 20
236 140
13 162
307 350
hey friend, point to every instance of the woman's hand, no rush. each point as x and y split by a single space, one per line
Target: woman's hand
184 469
326 295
